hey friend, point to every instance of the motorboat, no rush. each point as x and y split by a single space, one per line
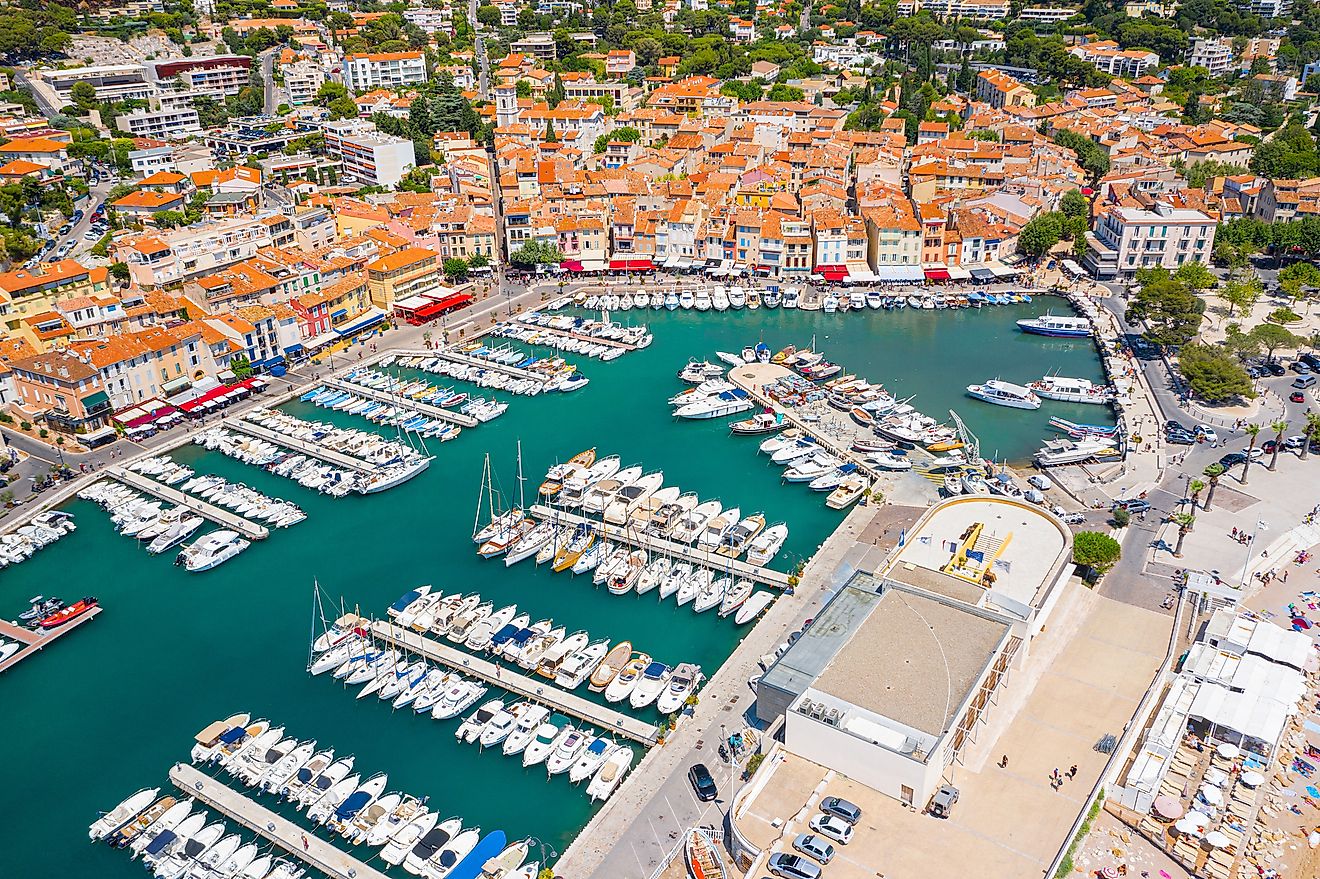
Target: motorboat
718 406
682 683
565 751
543 742
406 838
760 423
212 550
734 542
121 814
1071 390
628 676
497 729
625 575
1065 326
579 665
1003 393
691 525
470 729
655 677
811 467
1065 451
974 483
530 720
610 774
177 532
753 606
555 476
890 461
428 846
460 696
66 615
630 496
716 527
603 492
504 864
319 784
591 758
610 666
766 545
847 492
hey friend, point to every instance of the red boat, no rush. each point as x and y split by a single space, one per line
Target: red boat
72 612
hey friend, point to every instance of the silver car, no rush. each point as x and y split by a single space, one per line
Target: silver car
814 846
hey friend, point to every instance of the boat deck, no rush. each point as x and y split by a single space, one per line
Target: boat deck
312 450
35 642
535 688
565 334
164 492
302 844
682 551
421 408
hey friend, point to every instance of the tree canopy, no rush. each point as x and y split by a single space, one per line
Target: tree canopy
1172 312
1213 374
1097 551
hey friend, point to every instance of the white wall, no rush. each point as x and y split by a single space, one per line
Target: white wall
876 767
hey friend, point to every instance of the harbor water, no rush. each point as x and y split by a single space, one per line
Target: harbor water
105 711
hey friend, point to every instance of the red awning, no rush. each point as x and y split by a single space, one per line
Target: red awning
452 301
937 275
196 403
832 273
572 265
631 265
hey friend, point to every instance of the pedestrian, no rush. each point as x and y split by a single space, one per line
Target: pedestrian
1072 771
1285 576
1003 762
1055 773
306 844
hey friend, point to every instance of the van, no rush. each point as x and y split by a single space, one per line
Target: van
1303 382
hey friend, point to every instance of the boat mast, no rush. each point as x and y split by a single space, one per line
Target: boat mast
522 499
483 491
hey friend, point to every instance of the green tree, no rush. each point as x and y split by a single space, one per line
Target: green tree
1096 551
1194 489
240 366
1090 155
456 269
1195 276
1213 374
1280 427
1040 234
627 134
523 88
1290 153
781 92
489 15
535 253
1213 473
1311 432
1272 337
478 261
1171 312
1241 294
343 108
83 95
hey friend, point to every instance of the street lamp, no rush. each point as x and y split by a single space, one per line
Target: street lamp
1261 525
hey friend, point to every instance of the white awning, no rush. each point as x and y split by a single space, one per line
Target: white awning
958 273
1256 716
594 265
1280 645
861 276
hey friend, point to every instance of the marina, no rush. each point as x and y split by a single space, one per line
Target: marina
568 703
137 481
426 409
362 547
310 449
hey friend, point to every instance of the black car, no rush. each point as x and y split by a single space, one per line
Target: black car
1176 425
702 783
1232 459
1274 367
1310 360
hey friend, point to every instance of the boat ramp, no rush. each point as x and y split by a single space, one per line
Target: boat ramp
302 844
34 642
312 450
404 402
604 718
681 551
160 491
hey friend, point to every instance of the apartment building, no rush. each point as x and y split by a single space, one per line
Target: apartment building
218 76
1281 200
840 245
404 273
1126 239
162 258
433 20
302 80
364 71
1002 91
38 289
61 390
113 82
165 124
974 10
372 157
1048 14
1106 56
136 366
1215 56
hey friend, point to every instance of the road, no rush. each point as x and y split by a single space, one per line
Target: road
479 48
271 99
38 92
96 194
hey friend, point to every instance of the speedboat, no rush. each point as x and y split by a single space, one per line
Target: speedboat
628 677
576 667
121 814
1071 390
470 729
753 606
1003 393
716 527
212 550
427 846
655 677
763 548
735 541
724 403
593 755
530 720
610 666
565 751
543 742
692 523
610 774
682 683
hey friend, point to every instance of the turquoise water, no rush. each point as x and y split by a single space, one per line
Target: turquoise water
111 706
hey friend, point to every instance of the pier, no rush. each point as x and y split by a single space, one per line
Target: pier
467 360
34 642
565 334
682 551
311 450
303 844
163 492
538 690
404 402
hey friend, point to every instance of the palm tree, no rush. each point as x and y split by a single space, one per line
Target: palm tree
1251 430
1311 432
1184 521
1279 426
1194 488
1213 472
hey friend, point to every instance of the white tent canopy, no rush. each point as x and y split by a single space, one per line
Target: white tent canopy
1280 645
1237 716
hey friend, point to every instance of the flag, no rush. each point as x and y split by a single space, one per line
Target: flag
902 537
925 540
1004 563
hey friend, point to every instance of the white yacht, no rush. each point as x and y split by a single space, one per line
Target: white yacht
1071 390
723 403
212 550
1003 393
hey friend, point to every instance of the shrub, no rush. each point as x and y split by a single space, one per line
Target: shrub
43 433
25 425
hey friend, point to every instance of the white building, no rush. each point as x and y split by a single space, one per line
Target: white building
1127 239
429 19
113 82
389 70
1105 56
1270 8
218 76
973 10
893 678
302 80
374 158
1052 14
176 123
1213 55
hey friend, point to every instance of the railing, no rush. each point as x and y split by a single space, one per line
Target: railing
677 851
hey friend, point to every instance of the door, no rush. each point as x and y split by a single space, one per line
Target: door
906 795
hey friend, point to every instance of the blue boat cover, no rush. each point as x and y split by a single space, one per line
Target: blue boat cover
520 637
505 633
304 775
655 669
407 599
164 838
230 736
470 867
352 805
596 747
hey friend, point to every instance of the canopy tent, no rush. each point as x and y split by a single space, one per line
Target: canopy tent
571 265
982 275
363 321
861 276
1254 721
1003 271
637 264
898 273
1280 645
958 273
937 273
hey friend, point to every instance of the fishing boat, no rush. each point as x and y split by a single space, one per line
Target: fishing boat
762 422
1003 393
67 614
1071 390
1065 326
610 666
702 856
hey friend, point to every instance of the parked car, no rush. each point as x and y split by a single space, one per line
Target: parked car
1311 360
814 846
1300 367
1256 453
1232 459
1268 447
942 803
1274 367
1207 433
792 866
1294 442
1180 438
1176 425
1133 505
834 827
703 784
842 808
1297 397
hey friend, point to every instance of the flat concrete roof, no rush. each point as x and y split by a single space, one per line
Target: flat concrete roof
914 659
1032 544
832 628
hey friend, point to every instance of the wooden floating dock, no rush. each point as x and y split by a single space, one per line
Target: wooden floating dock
34 642
412 405
468 360
565 334
311 450
682 551
317 853
164 492
536 689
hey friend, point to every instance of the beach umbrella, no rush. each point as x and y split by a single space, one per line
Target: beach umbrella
1252 778
1168 807
1216 776
1216 839
1212 795
1110 872
1200 819
1187 827
1228 752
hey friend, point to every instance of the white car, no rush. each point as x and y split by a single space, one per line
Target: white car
1294 442
833 827
1208 433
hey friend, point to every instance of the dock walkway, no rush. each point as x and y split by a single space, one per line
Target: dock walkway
506 369
682 551
34 642
413 405
164 492
565 334
312 450
303 844
535 689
